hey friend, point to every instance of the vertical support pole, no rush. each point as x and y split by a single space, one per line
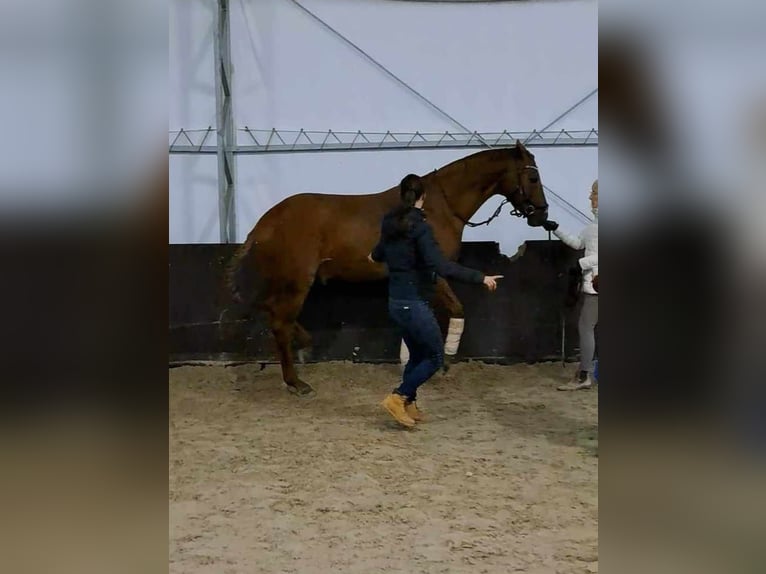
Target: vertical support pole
226 135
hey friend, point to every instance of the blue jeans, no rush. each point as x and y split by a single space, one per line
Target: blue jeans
423 337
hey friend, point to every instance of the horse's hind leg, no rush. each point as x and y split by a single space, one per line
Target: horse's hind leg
282 319
283 333
301 341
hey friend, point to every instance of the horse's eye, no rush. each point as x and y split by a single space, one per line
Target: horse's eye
534 179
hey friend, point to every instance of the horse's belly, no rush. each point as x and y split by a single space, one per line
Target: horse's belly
354 271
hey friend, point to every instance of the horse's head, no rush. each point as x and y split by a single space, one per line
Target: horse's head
522 187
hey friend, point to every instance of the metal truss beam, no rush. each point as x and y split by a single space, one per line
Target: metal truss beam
569 110
290 141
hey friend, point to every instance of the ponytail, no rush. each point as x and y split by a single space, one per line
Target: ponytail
410 190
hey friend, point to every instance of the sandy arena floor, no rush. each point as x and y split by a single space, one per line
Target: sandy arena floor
502 478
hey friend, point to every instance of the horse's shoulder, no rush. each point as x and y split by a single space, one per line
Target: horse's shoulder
420 226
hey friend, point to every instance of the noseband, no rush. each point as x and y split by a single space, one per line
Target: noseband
528 208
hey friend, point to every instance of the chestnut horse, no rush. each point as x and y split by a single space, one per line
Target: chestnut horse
314 236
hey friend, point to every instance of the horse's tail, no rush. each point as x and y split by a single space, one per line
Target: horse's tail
238 293
240 272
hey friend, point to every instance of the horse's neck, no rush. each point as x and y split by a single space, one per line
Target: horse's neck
464 198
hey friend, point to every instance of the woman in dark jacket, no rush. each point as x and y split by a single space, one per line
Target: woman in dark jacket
408 247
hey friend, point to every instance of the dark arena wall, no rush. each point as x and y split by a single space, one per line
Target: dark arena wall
520 322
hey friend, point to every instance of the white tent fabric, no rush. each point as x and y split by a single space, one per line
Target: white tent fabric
495 66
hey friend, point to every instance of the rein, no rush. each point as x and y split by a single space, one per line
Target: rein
493 216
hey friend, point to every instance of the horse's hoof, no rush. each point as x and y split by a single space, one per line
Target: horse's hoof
301 389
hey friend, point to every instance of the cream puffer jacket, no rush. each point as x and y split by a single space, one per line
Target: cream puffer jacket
588 240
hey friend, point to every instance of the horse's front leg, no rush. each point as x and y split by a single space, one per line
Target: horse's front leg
446 299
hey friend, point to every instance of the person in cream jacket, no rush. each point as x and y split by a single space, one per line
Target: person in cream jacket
588 240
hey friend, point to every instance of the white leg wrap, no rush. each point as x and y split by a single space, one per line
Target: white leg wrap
404 354
454 333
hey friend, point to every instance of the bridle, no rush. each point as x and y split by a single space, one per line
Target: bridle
528 207
527 210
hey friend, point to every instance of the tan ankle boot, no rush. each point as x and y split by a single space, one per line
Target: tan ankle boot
415 414
394 404
576 384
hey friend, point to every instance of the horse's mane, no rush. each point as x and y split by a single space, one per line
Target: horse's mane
492 155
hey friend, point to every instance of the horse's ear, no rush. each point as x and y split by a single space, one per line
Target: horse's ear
520 147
